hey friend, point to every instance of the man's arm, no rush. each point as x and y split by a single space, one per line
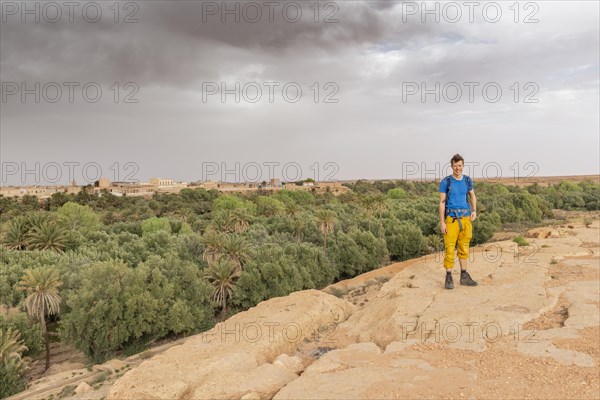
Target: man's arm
441 211
473 201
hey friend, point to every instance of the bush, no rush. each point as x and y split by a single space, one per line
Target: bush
357 252
10 381
67 391
520 240
116 307
31 332
11 363
404 239
154 225
484 227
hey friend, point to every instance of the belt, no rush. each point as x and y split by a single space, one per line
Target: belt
458 212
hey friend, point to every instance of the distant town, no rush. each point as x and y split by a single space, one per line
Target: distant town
162 185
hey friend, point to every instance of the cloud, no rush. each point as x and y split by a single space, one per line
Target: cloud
365 61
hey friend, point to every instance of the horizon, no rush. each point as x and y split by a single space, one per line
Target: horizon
527 179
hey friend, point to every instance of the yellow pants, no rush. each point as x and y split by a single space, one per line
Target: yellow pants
453 235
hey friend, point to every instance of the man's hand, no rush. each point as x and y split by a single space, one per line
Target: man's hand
473 215
443 228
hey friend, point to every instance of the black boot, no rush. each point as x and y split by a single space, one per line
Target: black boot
465 279
449 282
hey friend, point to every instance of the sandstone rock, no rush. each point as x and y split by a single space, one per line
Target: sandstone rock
251 396
233 359
543 233
289 363
83 387
111 366
466 317
265 380
363 371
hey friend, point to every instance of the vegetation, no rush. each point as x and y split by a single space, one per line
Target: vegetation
43 300
520 241
127 271
12 364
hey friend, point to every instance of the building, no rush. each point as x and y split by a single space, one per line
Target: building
103 183
161 182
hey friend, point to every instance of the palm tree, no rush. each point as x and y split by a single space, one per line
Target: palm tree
368 203
224 221
237 250
241 218
213 246
292 209
222 276
43 299
11 361
298 224
37 219
326 220
11 348
380 204
187 215
47 236
16 233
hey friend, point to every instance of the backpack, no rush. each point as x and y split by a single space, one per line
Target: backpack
448 183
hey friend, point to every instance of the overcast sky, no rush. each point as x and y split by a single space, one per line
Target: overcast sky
369 74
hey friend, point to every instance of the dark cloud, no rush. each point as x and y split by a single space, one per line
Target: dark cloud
369 54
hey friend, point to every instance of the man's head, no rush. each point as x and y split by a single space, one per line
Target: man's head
457 163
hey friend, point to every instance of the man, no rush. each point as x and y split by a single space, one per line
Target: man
456 214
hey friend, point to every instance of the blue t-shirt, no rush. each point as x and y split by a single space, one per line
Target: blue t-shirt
457 198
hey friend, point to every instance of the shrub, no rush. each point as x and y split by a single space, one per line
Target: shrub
31 333
520 240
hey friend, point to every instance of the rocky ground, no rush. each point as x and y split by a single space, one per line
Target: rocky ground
531 329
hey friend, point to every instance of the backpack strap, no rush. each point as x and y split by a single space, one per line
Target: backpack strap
448 180
468 184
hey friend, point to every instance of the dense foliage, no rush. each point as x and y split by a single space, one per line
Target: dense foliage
135 270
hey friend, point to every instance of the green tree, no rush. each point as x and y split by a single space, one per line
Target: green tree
237 250
115 307
47 235
380 204
38 218
12 364
356 252
155 224
404 239
242 218
292 209
326 220
269 206
213 246
31 332
223 221
222 276
76 217
43 299
367 201
15 236
232 202
396 194
298 225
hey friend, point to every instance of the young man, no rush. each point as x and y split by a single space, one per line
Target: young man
456 214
